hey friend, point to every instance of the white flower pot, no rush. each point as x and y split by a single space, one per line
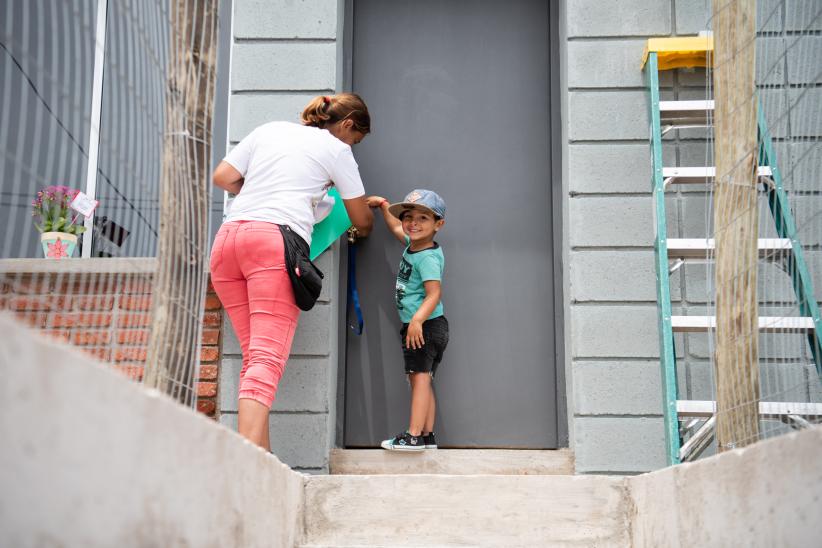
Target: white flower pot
58 245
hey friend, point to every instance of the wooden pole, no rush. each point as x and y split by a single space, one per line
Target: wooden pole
736 223
180 281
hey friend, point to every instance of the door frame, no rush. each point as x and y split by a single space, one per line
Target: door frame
345 65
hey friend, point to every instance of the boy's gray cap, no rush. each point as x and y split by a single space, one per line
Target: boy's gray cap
421 200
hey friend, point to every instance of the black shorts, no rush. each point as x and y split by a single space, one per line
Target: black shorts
427 358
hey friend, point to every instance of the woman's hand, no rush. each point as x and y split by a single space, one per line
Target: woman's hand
413 337
360 215
375 201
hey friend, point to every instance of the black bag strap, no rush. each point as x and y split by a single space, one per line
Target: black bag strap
292 238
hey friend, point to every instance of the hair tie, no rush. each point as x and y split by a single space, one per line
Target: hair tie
326 100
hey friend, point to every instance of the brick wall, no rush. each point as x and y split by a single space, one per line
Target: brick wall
107 316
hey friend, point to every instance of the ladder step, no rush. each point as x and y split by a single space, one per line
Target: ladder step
685 113
767 324
699 175
767 409
700 248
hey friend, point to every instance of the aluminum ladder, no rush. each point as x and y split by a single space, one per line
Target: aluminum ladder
698 418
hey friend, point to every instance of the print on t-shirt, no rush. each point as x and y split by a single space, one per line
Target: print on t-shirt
402 278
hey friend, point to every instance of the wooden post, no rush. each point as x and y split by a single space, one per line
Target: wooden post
736 223
180 281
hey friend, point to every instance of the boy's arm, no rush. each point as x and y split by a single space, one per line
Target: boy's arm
393 224
413 337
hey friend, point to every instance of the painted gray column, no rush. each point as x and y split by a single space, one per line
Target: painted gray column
284 53
614 352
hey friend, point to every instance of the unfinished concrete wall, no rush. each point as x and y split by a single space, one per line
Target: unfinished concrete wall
283 54
764 495
91 459
613 348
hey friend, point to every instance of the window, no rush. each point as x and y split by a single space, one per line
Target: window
62 106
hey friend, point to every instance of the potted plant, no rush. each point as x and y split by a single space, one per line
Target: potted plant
55 220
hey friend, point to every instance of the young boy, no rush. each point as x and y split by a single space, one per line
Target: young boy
415 221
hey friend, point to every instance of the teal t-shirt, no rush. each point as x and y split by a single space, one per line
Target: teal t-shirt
417 267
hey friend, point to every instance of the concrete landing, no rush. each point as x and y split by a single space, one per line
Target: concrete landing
441 510
452 461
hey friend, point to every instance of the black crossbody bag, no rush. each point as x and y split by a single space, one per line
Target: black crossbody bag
306 278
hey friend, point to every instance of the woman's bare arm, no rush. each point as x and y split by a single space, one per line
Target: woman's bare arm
228 178
360 215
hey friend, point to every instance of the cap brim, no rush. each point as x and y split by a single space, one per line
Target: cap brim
398 209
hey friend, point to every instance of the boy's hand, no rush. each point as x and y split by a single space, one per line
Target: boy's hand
393 224
413 337
375 201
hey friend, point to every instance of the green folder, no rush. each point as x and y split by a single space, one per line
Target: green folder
329 230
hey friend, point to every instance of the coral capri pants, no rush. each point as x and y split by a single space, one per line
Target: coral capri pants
248 272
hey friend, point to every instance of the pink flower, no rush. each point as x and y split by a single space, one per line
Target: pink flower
53 203
58 249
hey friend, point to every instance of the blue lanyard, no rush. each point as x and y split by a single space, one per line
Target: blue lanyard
353 295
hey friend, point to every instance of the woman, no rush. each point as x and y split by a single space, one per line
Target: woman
279 172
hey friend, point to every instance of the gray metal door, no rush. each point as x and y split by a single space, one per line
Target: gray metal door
459 97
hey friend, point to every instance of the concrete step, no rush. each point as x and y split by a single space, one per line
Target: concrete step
449 510
452 461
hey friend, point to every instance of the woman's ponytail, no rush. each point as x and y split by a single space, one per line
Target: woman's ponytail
325 110
315 114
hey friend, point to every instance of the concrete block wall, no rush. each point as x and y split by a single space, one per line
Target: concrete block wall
614 354
786 67
283 54
614 371
286 52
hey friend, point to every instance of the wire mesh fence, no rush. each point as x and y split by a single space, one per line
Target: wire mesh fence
106 110
756 374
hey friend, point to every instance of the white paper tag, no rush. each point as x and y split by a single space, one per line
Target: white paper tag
83 204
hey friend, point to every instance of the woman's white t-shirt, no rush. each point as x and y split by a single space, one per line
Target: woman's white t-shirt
288 169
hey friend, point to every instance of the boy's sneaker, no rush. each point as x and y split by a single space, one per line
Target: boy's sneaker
430 442
404 442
